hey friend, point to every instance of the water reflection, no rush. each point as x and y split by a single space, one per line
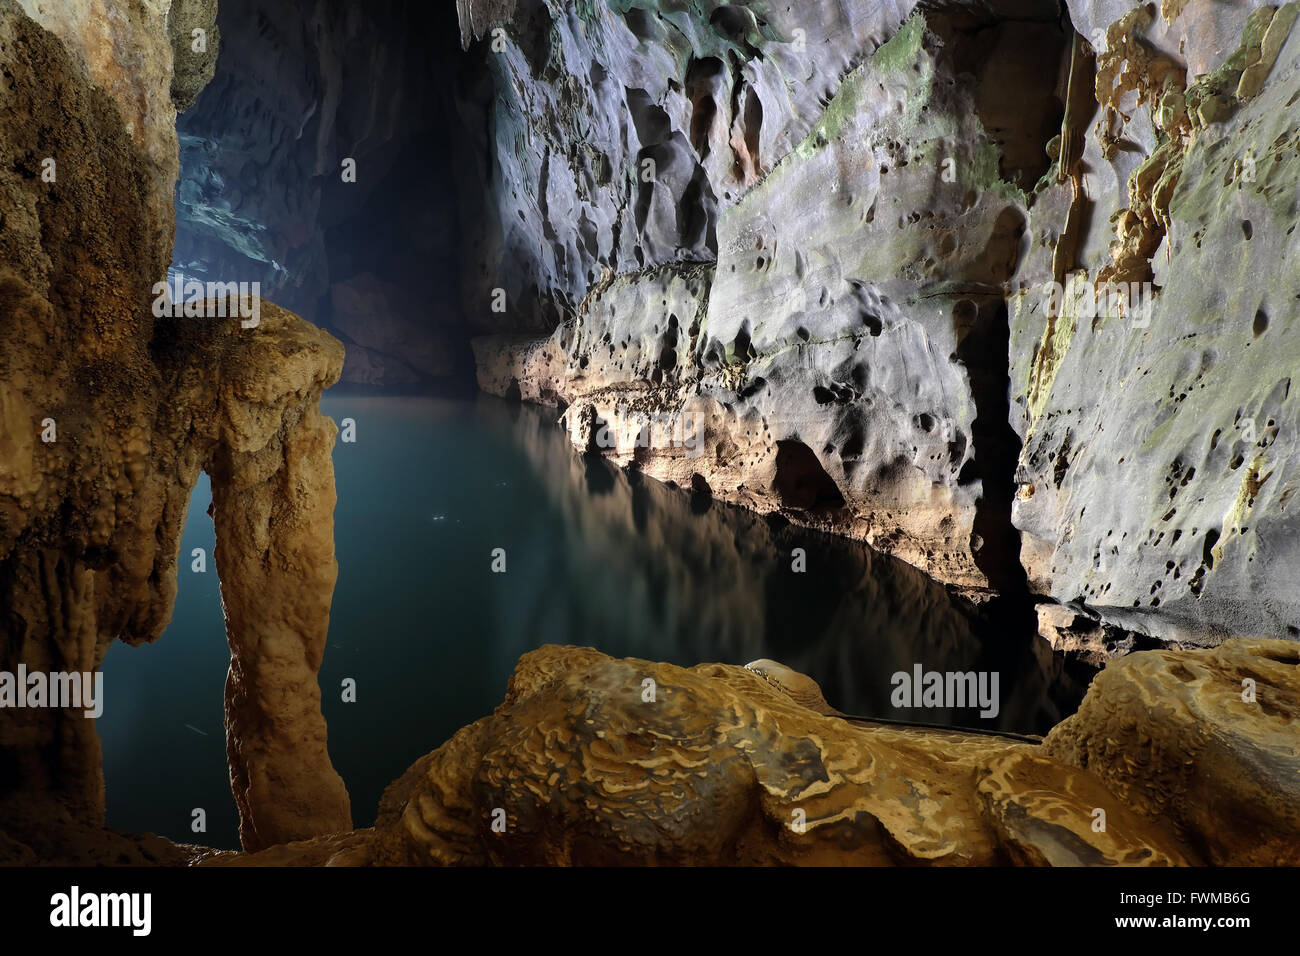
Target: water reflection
594 556
645 570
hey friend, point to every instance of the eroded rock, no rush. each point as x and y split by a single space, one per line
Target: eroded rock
583 768
857 286
1182 738
107 416
838 341
1158 472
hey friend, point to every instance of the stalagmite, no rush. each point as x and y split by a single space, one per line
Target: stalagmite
274 513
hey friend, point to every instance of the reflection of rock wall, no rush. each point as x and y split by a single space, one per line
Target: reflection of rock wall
841 256
851 619
106 418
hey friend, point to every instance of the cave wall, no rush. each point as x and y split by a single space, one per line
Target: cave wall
858 205
1158 479
107 416
843 253
299 88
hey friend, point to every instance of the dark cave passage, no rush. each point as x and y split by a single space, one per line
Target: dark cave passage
316 164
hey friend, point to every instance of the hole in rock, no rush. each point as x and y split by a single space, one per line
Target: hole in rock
801 482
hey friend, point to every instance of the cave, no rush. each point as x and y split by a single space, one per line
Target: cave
524 433
314 163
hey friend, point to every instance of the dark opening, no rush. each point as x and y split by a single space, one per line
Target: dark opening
801 482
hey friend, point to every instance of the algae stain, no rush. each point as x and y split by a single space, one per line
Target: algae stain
901 49
1251 483
891 56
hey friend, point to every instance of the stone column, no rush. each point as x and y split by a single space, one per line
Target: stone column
274 516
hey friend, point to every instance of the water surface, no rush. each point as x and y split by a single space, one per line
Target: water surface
594 556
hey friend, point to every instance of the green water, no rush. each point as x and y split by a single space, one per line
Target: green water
594 556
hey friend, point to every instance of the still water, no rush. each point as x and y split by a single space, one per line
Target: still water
594 556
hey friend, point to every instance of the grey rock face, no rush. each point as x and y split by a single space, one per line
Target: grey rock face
300 88
830 335
619 132
1159 472
838 267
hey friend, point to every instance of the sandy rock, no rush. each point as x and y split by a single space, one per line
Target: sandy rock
583 768
1170 734
126 51
108 415
192 68
1164 765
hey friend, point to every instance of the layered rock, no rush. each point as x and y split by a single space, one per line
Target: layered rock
108 415
1203 742
1175 758
580 765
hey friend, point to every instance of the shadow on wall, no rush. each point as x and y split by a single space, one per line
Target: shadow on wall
368 250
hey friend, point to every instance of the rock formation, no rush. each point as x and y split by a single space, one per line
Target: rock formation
725 587
579 766
1203 742
1158 480
587 771
107 416
789 259
824 234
